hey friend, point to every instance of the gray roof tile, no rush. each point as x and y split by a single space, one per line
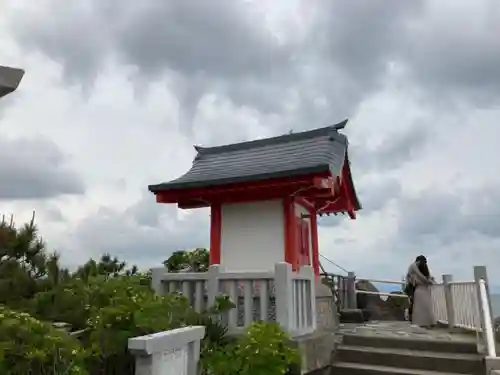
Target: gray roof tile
9 79
302 153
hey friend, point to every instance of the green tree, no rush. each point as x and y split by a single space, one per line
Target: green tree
106 303
196 260
26 268
107 266
70 301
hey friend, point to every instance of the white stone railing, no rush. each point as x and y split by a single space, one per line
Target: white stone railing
467 305
303 302
175 352
456 303
282 296
439 303
464 297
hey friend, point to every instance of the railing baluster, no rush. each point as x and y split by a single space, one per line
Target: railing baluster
464 299
172 286
309 309
233 313
264 300
198 296
296 304
248 302
186 289
303 304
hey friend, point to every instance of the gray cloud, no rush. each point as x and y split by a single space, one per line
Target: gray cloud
345 54
374 196
221 45
358 40
209 53
220 38
430 214
54 214
35 168
455 229
392 153
449 217
145 233
452 51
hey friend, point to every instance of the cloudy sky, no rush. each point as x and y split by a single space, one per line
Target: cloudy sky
117 92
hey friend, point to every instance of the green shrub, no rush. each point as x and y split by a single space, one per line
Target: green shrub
68 302
113 309
125 307
264 349
215 331
29 346
71 301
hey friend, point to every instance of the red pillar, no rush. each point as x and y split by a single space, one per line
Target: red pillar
315 243
215 232
290 230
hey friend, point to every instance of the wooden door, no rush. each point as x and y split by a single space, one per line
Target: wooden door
303 242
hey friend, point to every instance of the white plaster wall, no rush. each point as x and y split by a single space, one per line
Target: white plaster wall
301 210
252 236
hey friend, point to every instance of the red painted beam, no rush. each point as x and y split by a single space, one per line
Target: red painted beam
290 231
307 204
215 233
315 244
237 197
176 195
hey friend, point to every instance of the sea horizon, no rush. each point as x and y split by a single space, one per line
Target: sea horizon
494 296
495 305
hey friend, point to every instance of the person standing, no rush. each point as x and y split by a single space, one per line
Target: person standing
409 291
420 301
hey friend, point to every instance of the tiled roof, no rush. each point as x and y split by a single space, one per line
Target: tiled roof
295 154
9 79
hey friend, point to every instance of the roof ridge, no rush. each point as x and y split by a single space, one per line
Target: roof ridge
323 131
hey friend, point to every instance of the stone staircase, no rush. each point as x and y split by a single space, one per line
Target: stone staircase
360 354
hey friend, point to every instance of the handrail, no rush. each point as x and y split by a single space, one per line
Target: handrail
332 275
380 281
488 325
359 291
459 282
333 263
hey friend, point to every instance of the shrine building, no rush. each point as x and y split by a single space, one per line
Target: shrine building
265 196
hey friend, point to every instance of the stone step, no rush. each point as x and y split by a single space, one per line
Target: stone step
351 316
343 368
463 363
433 345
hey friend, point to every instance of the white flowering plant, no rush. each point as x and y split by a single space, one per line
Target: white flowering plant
29 346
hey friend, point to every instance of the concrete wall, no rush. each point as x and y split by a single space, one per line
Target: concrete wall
317 350
252 236
170 352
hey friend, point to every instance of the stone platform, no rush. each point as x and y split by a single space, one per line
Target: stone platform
399 348
397 329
